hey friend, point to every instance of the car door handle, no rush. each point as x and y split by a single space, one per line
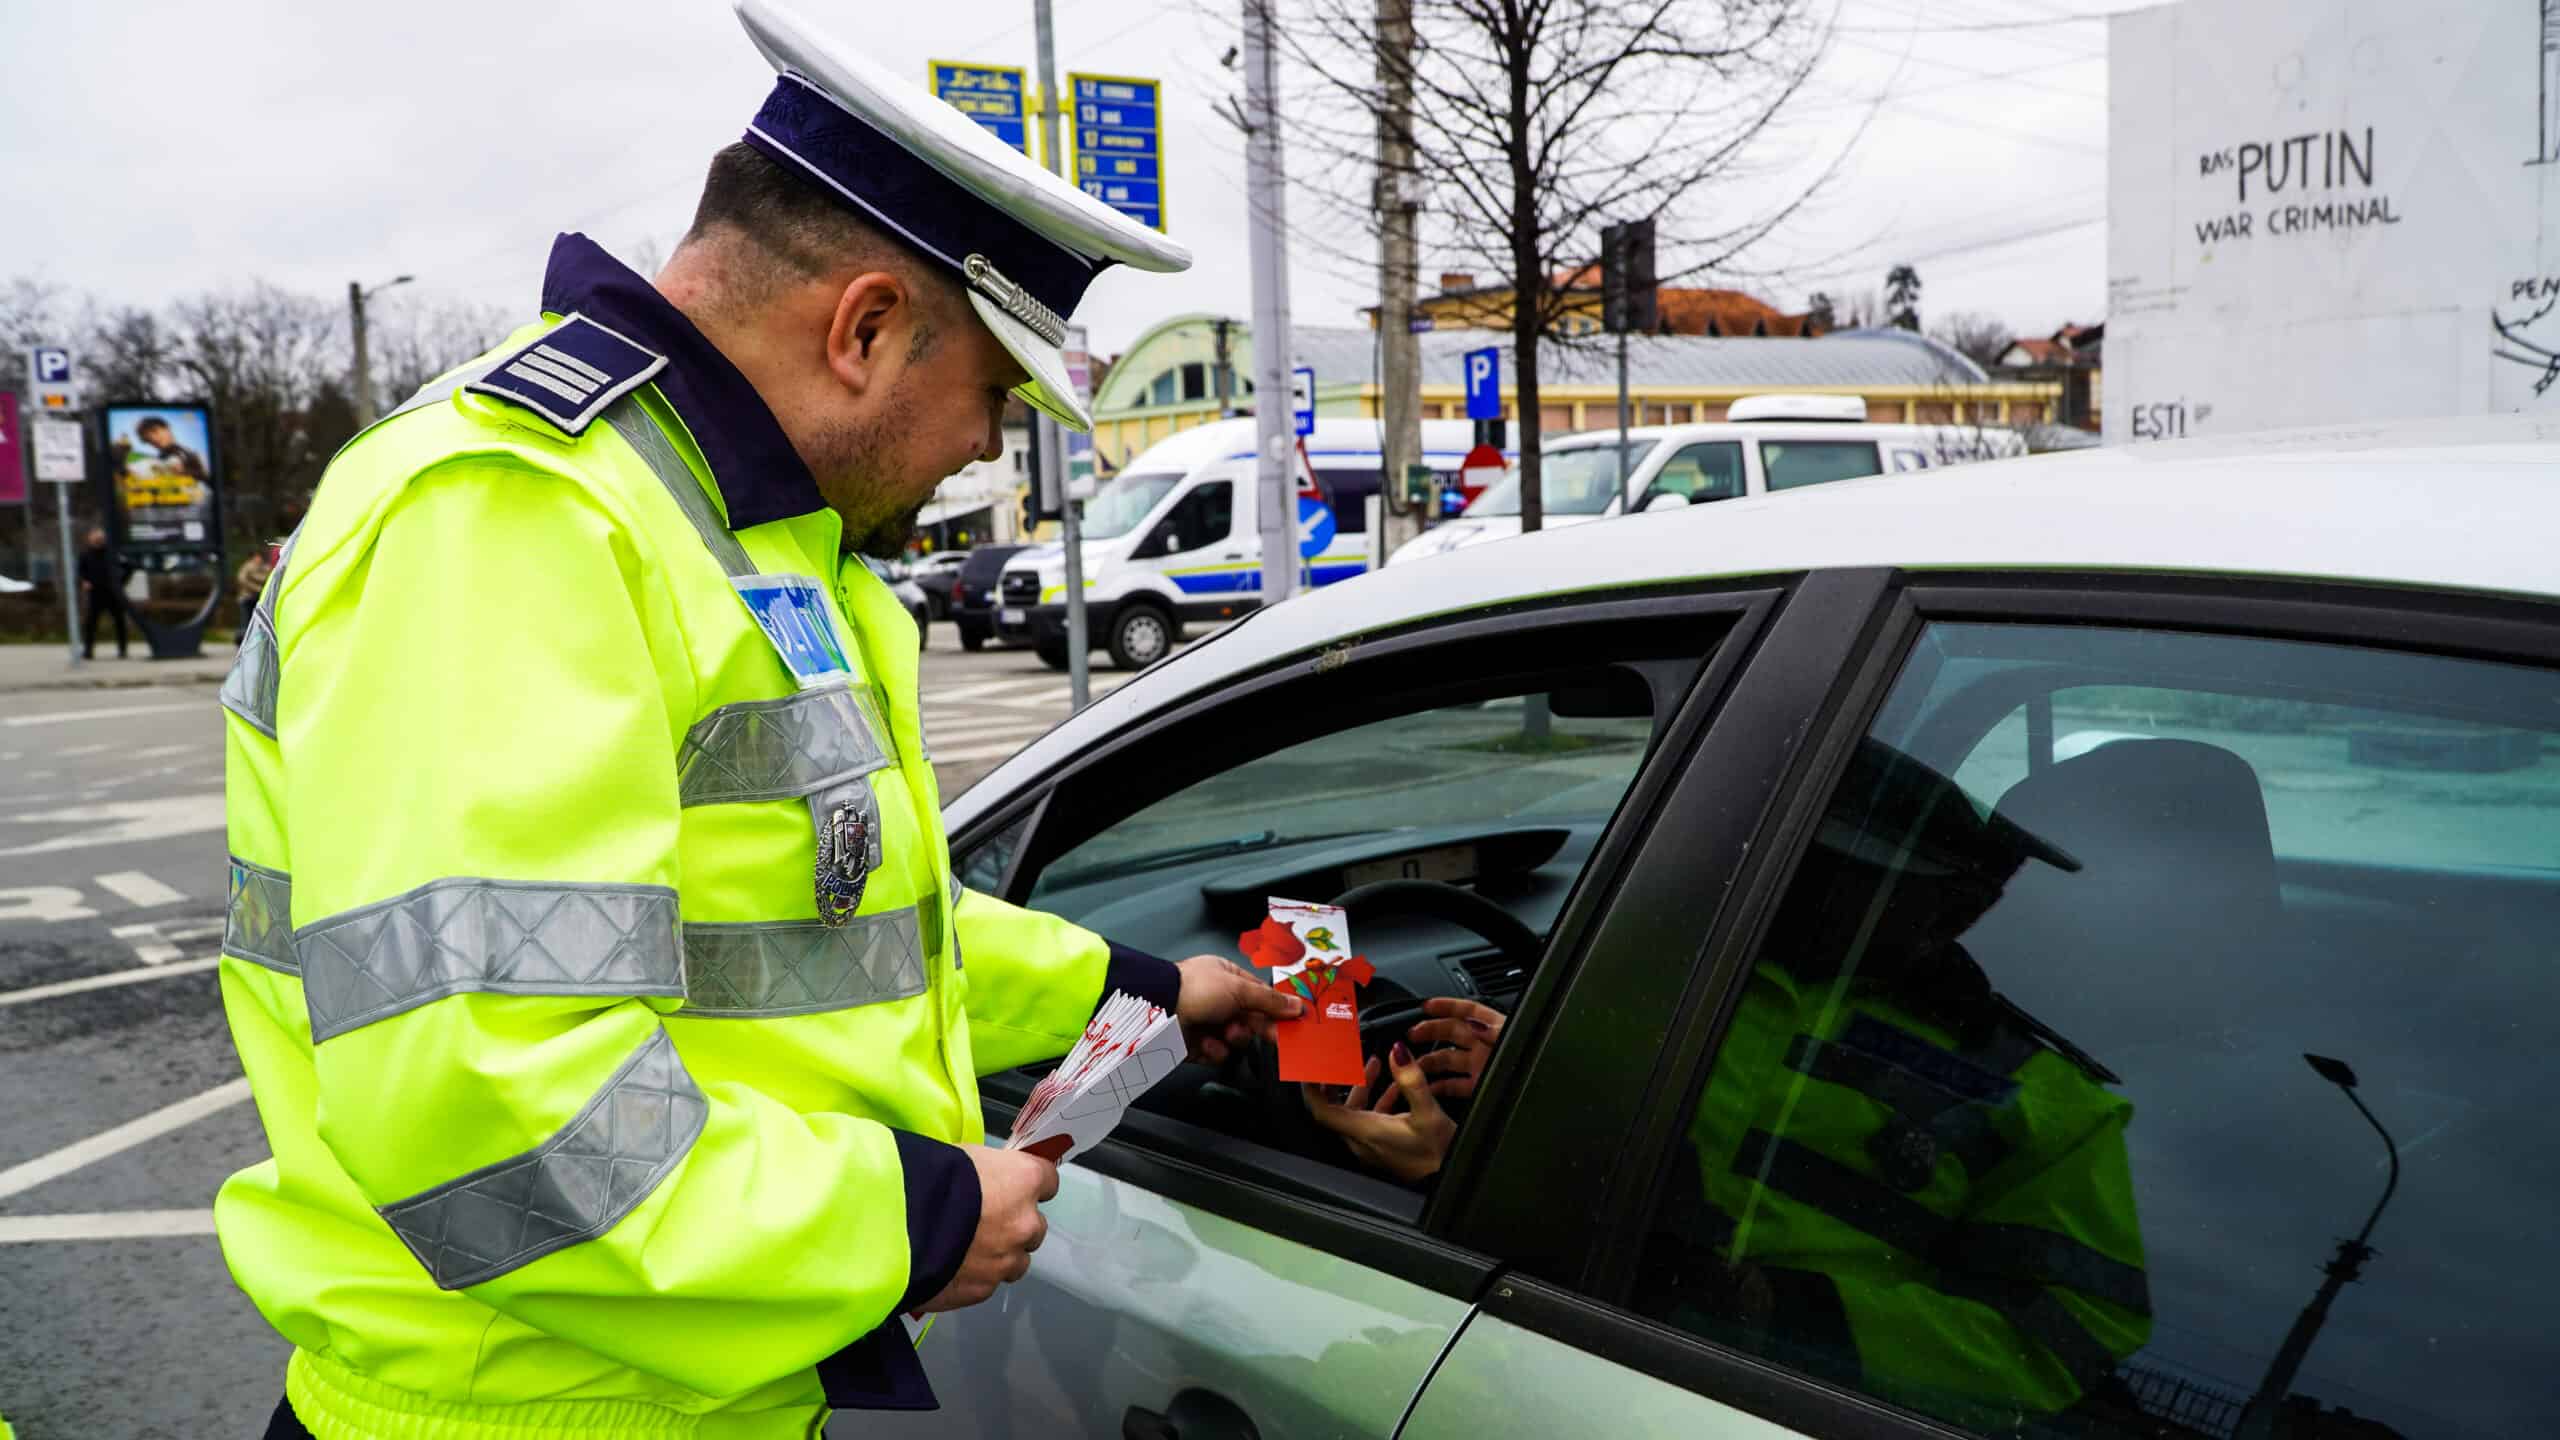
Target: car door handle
1235 554
1193 1415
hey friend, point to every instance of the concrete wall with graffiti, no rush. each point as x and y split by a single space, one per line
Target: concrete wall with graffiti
2323 211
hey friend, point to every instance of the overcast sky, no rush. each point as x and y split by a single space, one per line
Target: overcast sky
159 149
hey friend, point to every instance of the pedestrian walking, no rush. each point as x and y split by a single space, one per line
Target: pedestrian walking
595 954
101 577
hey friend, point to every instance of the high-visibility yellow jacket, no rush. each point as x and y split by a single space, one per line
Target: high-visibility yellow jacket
601 986
1944 1221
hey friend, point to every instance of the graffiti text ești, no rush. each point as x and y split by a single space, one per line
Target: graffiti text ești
2316 162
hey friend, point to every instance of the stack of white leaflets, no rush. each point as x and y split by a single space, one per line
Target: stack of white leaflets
1128 1047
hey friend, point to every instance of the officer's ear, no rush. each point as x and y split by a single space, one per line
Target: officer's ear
875 313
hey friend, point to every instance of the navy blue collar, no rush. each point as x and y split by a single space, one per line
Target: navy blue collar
761 478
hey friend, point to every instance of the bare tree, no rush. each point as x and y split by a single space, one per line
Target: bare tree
414 340
1536 123
1979 337
262 357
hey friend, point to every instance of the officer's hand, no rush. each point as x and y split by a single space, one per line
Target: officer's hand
1225 1005
1469 1030
1011 1186
1409 1146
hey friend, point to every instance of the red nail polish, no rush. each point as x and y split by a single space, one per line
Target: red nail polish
1402 1056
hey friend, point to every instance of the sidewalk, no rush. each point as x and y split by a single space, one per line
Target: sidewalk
47 667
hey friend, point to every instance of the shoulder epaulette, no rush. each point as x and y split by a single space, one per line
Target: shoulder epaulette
569 373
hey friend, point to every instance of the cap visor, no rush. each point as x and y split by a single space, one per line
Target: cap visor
1048 391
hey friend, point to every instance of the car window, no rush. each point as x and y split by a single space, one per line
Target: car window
2136 992
1198 519
1578 480
1708 470
1791 464
1492 793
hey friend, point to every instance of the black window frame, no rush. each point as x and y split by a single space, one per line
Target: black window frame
1169 524
1580 1299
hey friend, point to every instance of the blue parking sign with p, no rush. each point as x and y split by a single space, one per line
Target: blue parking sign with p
1484 383
52 365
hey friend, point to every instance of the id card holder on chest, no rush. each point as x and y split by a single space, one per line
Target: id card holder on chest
792 612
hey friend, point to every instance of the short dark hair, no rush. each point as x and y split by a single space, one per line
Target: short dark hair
788 215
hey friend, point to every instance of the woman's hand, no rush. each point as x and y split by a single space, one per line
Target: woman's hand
1407 1146
1469 1029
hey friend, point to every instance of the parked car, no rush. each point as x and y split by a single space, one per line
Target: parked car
1172 540
909 595
973 593
1771 443
934 574
2164 793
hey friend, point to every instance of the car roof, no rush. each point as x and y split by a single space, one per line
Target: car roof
2454 505
1187 450
1759 429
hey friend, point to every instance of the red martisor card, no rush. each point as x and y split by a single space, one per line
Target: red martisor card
1305 947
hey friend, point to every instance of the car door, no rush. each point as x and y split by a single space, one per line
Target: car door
1219 1268
2127 1025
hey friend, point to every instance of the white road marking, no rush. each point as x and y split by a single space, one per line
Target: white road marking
67 717
978 752
78 750
1006 724
48 903
185 931
124 822
986 688
149 946
155 752
106 981
139 890
104 1225
20 1178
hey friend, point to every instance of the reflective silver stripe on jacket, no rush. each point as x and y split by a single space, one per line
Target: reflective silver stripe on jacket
249 688
257 924
500 936
574 1186
800 967
659 453
777 749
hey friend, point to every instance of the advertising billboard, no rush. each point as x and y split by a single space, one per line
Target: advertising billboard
2323 212
13 461
160 469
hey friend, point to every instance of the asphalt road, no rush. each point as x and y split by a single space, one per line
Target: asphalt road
124 1104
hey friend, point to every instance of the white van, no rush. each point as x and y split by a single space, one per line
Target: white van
1772 443
1173 538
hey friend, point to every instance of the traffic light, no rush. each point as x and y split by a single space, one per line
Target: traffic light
1629 302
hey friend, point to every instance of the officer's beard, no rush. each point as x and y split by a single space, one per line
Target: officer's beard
858 465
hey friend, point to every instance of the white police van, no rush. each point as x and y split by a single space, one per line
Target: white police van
1771 443
1174 539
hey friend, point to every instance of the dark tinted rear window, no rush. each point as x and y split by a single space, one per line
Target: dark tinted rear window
987 562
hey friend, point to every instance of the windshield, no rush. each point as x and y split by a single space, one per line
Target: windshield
1581 480
1125 501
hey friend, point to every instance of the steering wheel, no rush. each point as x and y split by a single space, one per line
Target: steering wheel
1388 1009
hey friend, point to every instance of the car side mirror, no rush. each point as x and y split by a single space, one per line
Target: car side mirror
1665 500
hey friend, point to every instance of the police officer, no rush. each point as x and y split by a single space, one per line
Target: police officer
595 955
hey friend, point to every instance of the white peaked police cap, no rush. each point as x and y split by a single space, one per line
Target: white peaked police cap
1023 243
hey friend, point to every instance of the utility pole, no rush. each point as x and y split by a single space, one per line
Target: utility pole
1226 371
1053 446
1400 349
1276 491
356 296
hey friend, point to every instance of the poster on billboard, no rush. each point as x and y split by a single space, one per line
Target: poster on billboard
2322 212
160 469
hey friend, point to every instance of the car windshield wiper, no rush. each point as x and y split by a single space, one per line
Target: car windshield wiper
1184 854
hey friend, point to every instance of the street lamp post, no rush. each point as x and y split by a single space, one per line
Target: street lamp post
356 296
2258 1421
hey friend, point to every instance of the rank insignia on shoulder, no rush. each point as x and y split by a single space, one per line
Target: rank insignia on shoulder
569 373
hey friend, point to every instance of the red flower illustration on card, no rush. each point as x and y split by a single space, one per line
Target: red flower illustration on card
1271 944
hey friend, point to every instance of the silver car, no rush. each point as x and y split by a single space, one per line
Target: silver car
2062 947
